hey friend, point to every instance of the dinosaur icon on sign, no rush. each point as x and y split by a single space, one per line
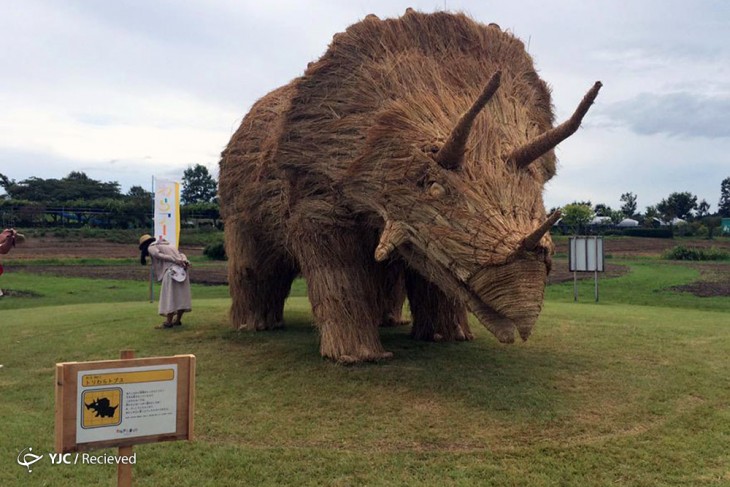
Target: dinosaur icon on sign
102 407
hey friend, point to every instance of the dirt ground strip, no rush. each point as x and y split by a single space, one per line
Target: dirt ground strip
56 248
211 274
643 247
714 281
561 273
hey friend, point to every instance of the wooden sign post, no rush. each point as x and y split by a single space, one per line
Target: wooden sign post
124 470
123 403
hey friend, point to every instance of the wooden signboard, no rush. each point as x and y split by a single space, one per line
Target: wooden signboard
124 402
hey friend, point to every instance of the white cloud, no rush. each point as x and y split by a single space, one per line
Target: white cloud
599 164
680 114
164 84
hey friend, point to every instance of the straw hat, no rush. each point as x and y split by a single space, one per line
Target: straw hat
144 239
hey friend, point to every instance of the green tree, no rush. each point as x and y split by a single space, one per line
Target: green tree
33 189
712 223
649 214
616 217
724 204
139 192
677 205
577 216
198 185
629 204
75 186
4 181
584 203
602 209
703 209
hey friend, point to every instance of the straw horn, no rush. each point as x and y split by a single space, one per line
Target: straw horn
525 155
393 235
533 239
452 152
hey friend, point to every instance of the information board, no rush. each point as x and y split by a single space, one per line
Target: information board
124 402
585 254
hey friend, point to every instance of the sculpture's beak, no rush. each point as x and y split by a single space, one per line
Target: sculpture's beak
509 298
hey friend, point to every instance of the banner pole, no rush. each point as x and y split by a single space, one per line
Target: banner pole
596 269
152 278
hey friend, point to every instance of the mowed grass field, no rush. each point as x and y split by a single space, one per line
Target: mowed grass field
634 390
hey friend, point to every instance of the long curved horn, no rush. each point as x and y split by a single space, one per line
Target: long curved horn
452 153
525 155
531 241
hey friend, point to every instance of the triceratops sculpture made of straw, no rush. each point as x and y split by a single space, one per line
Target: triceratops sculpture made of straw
409 159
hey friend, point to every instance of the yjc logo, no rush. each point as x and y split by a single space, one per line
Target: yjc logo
28 459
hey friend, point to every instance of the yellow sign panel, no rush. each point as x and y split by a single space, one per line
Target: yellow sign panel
101 407
119 378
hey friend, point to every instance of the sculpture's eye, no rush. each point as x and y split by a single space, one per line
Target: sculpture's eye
431 148
436 190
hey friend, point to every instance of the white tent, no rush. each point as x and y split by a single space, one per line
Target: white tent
628 222
601 220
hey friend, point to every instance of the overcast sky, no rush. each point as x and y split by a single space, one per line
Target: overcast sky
126 89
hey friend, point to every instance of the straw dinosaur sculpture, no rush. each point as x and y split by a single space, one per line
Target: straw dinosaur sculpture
412 155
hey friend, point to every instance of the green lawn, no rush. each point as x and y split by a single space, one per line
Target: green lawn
648 284
633 391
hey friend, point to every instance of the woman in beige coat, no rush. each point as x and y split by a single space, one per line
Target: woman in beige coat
171 268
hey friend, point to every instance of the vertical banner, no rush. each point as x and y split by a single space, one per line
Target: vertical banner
167 210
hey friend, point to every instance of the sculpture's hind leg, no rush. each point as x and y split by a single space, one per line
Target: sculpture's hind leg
393 294
343 291
259 280
435 316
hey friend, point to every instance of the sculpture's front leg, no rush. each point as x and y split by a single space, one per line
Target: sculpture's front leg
343 290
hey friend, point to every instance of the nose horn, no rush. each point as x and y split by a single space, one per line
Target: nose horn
531 241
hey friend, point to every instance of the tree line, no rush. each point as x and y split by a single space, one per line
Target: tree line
78 200
675 207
